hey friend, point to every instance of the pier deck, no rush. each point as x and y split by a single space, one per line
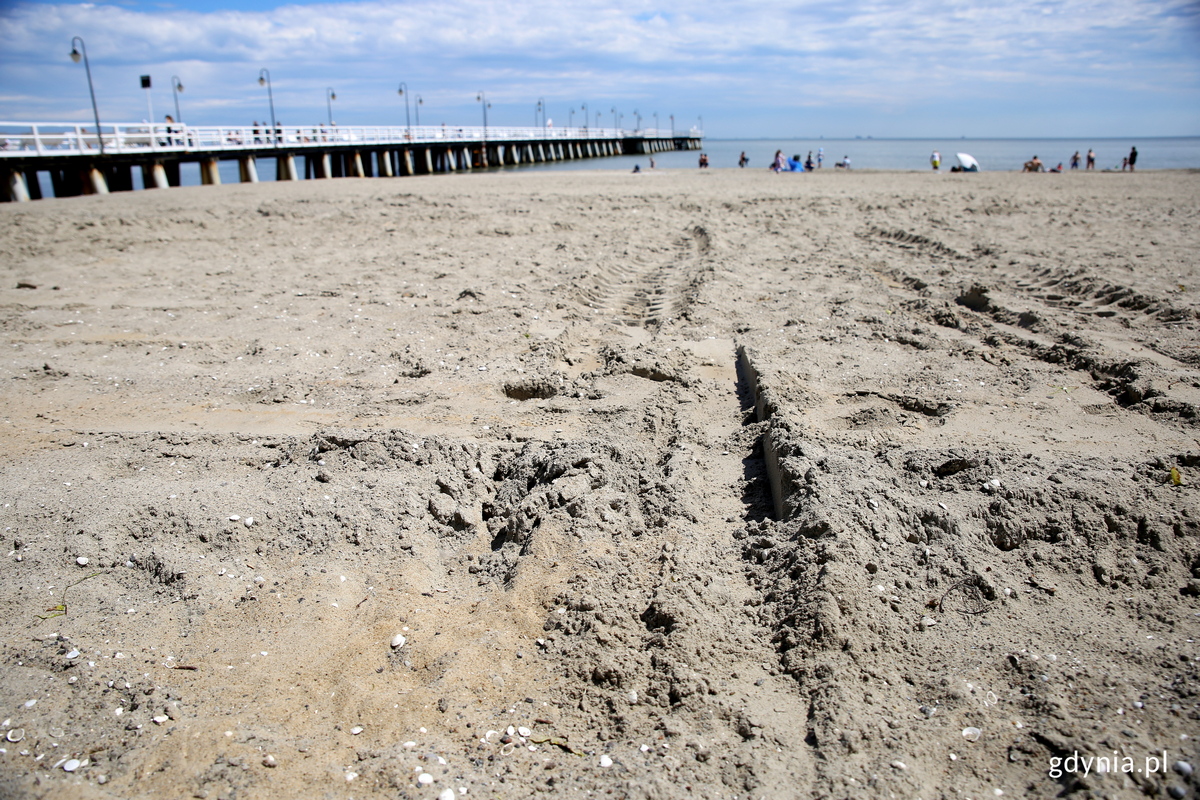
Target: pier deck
80 161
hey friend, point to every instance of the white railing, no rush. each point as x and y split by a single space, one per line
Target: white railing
65 139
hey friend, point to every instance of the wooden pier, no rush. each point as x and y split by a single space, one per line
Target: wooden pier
80 161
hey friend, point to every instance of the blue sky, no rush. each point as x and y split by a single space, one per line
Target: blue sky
935 68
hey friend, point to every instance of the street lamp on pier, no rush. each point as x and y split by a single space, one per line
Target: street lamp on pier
403 92
571 119
637 115
584 107
417 108
176 88
481 98
614 113
264 79
541 106
598 119
76 53
672 126
655 123
330 96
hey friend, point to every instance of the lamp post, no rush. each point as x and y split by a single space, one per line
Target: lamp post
403 92
701 124
330 96
655 123
614 113
264 79
584 107
541 106
637 116
571 119
418 105
176 88
597 119
76 54
481 98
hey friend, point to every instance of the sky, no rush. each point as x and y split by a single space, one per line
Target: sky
736 68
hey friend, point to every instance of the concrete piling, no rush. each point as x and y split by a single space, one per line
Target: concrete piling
285 168
247 170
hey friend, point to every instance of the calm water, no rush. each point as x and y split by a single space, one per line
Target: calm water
913 154
892 154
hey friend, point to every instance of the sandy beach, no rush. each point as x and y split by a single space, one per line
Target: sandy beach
594 484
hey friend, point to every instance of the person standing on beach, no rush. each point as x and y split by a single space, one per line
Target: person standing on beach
1075 160
743 160
820 156
1091 159
1132 158
936 160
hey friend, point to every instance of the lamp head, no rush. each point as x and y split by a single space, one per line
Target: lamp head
75 56
333 95
262 81
400 90
178 87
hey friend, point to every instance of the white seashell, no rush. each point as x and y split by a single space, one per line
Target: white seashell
160 719
972 734
71 765
398 640
269 761
234 517
1183 768
524 732
356 730
73 654
15 735
511 730
605 761
82 561
424 779
447 794
351 776
248 521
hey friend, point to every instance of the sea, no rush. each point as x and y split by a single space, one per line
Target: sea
999 155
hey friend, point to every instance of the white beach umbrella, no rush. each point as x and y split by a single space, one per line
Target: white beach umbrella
968 163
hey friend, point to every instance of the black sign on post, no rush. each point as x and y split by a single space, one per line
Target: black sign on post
145 81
